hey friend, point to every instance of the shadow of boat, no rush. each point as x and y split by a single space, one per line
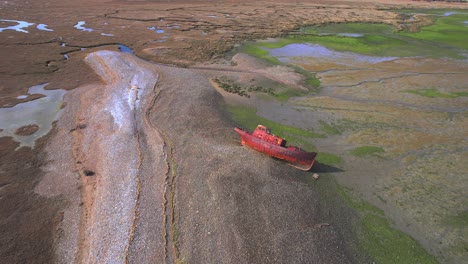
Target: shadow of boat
324 168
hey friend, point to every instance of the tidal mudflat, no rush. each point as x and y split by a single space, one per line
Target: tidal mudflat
391 112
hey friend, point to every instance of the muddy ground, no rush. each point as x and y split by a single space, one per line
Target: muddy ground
170 180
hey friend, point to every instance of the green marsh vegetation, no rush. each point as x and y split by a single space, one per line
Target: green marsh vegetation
276 90
328 158
449 28
310 79
253 49
435 93
257 49
444 38
375 234
248 118
388 245
370 39
459 221
231 86
381 40
367 151
285 94
367 229
329 129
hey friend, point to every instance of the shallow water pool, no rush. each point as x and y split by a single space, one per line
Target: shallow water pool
42 112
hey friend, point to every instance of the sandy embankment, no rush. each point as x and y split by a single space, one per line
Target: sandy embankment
184 191
232 204
106 161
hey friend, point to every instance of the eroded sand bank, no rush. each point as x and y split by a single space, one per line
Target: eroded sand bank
104 156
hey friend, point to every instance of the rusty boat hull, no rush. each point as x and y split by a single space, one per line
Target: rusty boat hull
296 157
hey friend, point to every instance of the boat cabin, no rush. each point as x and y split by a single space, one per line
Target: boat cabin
263 133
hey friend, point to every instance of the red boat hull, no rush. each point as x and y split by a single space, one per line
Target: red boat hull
294 156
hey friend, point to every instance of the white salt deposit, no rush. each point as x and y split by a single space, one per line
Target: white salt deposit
157 30
18 27
43 27
80 26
